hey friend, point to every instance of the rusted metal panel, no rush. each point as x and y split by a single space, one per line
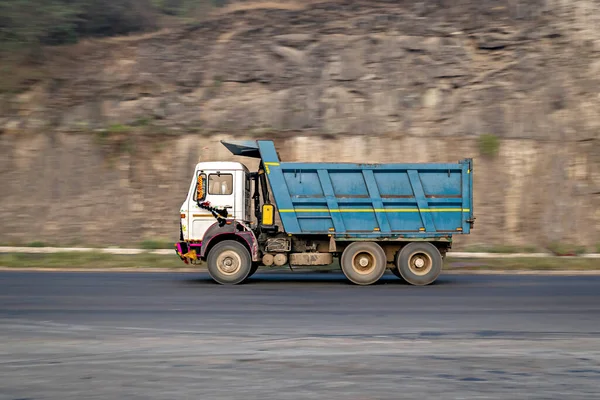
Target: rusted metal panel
311 258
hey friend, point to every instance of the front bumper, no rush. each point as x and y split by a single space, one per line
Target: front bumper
188 252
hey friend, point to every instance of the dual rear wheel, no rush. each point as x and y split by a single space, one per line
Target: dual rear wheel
418 263
364 263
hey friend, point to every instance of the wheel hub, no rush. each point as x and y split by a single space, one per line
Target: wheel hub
229 262
420 263
363 263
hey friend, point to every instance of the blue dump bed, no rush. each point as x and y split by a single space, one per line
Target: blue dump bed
428 201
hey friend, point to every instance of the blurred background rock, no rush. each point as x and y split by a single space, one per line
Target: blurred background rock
106 106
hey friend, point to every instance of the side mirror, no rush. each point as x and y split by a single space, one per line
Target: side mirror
200 194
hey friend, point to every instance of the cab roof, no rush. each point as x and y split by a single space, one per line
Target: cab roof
221 166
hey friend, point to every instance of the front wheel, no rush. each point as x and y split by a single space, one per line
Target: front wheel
229 263
419 263
254 268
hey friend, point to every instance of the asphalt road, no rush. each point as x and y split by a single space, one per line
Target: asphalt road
297 336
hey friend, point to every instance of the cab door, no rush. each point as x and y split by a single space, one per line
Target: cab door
218 189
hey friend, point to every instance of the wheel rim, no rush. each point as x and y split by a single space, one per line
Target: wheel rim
229 262
420 263
364 262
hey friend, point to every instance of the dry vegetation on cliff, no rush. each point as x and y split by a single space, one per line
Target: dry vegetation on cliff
516 69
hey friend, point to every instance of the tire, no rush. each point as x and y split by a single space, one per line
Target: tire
394 269
253 270
396 272
363 263
229 263
419 263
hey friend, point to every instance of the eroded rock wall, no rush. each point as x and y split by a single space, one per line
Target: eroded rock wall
67 189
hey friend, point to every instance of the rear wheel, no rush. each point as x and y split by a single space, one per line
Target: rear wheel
395 269
396 272
363 263
229 263
419 263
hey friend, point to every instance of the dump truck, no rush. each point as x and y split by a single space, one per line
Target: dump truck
367 217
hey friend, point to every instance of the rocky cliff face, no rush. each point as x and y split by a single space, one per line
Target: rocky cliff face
66 188
102 150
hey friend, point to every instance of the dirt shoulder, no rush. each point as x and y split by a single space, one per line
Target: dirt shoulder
98 261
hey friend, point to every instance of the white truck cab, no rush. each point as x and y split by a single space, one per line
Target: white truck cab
225 185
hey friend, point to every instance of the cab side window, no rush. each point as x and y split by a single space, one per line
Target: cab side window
220 184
